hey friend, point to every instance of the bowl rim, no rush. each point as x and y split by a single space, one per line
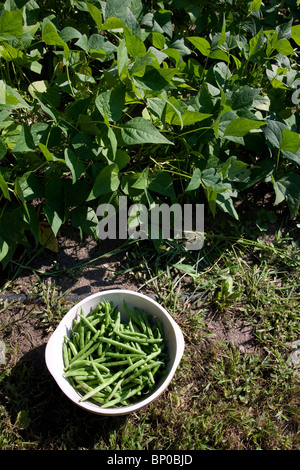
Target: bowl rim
94 408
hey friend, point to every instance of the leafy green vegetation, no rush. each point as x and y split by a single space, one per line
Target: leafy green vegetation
172 100
184 101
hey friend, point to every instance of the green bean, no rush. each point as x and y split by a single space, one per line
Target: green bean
86 347
133 366
139 363
78 371
71 345
100 359
112 362
133 332
75 325
88 323
130 313
151 376
116 363
118 322
81 336
107 313
101 367
141 371
121 345
120 355
114 390
100 348
75 339
140 320
87 388
129 394
101 386
69 355
77 363
138 339
155 369
100 377
65 355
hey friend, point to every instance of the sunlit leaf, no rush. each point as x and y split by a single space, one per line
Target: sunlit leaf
140 131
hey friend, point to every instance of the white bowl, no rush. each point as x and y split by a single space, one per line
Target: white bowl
172 335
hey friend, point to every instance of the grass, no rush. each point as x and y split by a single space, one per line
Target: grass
235 389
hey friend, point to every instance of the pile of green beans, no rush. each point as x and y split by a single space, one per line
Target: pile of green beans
110 362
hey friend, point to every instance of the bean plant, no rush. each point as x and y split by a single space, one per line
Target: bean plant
173 100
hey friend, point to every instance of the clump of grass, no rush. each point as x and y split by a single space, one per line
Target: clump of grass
53 303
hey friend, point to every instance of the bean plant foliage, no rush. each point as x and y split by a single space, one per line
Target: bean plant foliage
175 100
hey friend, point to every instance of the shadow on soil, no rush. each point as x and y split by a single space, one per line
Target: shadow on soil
47 418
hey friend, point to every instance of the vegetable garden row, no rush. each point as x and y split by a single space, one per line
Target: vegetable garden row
179 101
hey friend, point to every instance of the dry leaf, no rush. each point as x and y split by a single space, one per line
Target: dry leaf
47 237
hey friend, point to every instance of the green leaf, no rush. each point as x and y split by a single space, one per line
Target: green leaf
237 171
85 219
139 66
4 250
95 14
290 141
211 178
134 44
113 24
117 9
121 159
76 166
262 172
11 23
162 22
10 98
25 142
31 187
186 268
201 44
283 46
225 203
11 53
122 59
51 37
4 187
287 188
107 181
256 43
296 34
222 38
191 117
158 40
284 30
69 33
111 103
54 207
48 155
141 181
241 126
273 133
156 79
219 55
243 98
55 215
195 181
255 5
161 182
140 131
3 149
